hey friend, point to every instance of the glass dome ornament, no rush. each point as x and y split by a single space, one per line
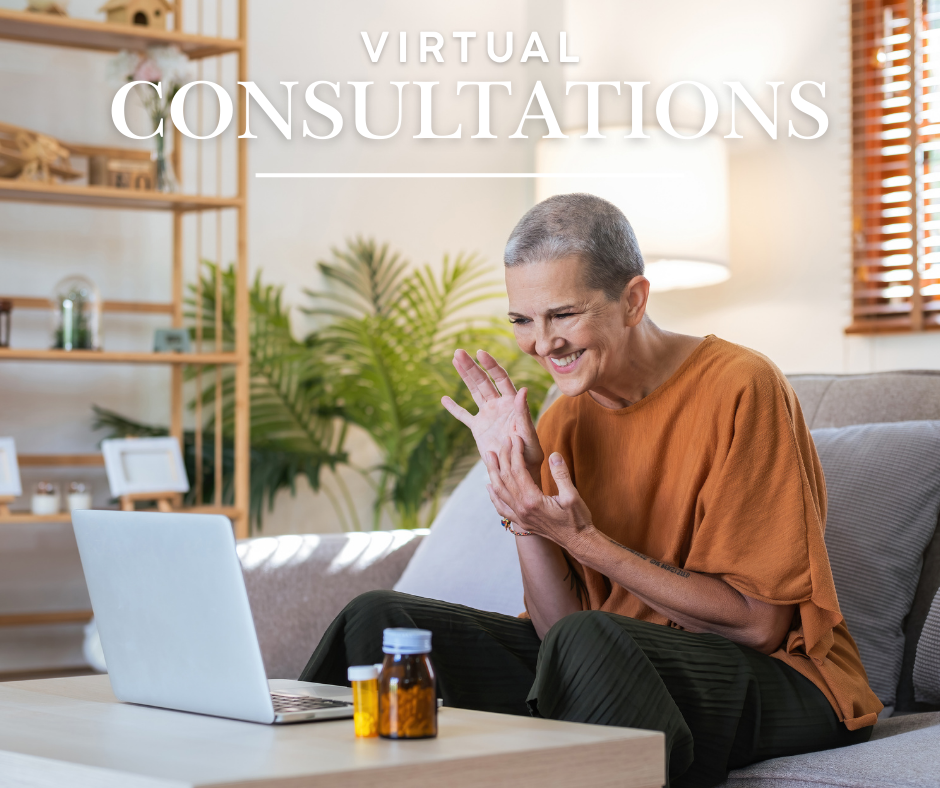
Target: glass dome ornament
76 305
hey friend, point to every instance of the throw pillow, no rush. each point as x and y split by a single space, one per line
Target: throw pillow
927 662
883 485
467 558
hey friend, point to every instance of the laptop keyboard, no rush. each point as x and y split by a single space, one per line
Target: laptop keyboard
285 704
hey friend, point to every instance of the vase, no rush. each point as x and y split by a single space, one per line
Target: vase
76 315
163 178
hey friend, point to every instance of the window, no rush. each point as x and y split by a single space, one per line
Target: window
896 165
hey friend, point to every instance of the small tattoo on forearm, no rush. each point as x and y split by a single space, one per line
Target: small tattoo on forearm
668 567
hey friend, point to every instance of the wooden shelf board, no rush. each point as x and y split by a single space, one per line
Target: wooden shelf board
104 37
18 518
106 357
107 197
140 307
60 460
50 617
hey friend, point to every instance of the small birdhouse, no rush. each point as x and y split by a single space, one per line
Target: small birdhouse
148 13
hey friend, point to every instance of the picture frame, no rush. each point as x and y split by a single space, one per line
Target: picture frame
144 465
171 340
10 485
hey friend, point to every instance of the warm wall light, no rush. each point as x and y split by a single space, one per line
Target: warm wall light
676 198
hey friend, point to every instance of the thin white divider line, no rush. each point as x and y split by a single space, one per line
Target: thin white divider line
467 175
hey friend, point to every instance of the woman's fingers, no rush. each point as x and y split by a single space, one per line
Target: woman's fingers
499 375
503 509
505 462
481 387
562 477
460 413
491 461
496 482
517 457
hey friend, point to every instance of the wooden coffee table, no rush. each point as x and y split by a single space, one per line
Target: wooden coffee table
72 732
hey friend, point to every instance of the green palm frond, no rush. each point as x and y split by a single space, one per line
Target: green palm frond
368 277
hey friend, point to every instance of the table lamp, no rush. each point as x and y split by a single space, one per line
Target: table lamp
675 196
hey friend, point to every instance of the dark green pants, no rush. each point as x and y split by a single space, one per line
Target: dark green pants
720 705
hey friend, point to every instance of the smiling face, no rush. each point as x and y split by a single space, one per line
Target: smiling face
575 332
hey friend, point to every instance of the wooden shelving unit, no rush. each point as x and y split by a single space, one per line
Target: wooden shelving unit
47 30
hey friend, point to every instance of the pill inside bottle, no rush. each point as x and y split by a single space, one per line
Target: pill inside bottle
365 687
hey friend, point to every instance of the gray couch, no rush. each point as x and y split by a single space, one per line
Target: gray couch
297 584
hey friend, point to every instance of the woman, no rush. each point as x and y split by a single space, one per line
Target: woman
669 517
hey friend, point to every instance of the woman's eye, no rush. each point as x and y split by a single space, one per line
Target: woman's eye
564 314
517 320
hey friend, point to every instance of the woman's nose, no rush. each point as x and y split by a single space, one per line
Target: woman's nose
546 342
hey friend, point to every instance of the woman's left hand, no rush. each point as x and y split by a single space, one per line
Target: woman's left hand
562 518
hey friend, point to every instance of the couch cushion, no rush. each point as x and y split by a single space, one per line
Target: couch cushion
467 558
883 484
927 591
909 759
927 663
298 584
841 400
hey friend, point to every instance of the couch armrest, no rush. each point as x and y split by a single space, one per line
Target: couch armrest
298 584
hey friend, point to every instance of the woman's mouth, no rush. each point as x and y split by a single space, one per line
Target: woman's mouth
566 363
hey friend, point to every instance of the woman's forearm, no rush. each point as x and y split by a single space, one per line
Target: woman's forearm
550 592
695 601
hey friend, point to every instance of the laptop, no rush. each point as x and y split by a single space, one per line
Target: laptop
175 625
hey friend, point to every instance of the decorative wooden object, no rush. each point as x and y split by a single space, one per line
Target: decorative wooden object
46 7
118 168
147 13
50 30
5 501
166 502
30 156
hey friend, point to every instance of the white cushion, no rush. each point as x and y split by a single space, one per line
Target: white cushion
468 558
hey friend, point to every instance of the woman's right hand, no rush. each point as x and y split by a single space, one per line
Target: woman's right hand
503 411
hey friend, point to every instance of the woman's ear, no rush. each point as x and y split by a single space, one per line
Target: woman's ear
633 300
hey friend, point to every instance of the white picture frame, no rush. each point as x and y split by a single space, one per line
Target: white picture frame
10 485
144 465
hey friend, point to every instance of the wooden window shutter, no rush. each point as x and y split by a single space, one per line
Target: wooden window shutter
895 165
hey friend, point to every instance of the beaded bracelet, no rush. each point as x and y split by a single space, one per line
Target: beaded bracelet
507 524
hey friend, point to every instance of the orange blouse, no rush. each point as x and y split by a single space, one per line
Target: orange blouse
716 472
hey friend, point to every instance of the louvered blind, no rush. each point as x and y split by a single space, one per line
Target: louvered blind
896 165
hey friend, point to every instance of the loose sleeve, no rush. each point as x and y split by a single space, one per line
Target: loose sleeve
761 513
760 524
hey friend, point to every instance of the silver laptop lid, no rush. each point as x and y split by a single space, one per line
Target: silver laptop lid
172 611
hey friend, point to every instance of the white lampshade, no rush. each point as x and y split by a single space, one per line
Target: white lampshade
676 198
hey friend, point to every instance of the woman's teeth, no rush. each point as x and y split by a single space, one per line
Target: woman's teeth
564 362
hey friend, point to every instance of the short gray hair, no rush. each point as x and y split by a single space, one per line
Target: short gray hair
579 225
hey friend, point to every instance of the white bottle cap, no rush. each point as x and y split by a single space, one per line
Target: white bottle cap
406 641
362 673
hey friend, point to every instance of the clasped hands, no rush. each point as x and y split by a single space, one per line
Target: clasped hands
510 448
